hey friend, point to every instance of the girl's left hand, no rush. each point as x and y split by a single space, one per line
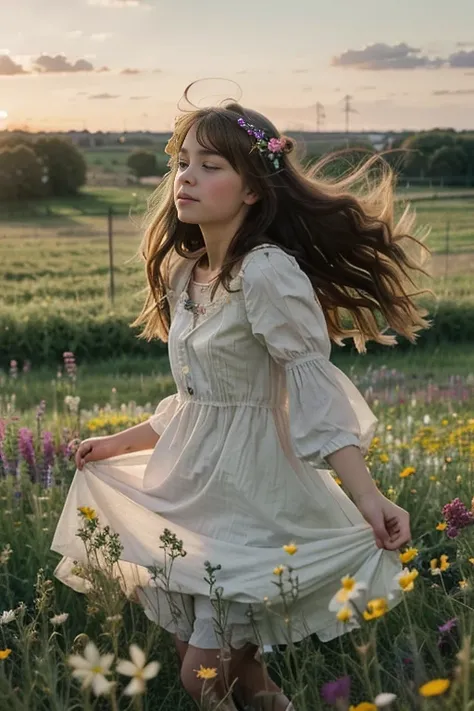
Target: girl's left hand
390 522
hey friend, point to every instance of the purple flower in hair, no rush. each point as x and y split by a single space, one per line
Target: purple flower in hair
270 148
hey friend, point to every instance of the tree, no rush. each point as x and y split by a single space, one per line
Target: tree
419 149
65 165
21 174
142 163
448 162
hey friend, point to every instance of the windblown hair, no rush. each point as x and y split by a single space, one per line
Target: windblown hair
341 231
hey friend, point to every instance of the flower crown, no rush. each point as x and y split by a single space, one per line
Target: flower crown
271 148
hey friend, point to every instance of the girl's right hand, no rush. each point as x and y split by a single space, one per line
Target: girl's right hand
93 449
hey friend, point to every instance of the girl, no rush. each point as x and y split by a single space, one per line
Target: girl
250 260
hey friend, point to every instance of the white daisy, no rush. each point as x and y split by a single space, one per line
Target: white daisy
350 591
384 699
137 670
7 616
59 619
92 668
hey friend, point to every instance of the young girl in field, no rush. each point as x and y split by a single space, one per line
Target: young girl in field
250 261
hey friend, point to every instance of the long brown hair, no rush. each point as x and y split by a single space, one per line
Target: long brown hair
357 258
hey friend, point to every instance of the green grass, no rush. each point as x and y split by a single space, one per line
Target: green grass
146 381
36 675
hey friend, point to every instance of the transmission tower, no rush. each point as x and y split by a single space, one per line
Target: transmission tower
348 110
320 115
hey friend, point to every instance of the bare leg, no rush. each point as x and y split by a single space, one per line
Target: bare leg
259 690
181 647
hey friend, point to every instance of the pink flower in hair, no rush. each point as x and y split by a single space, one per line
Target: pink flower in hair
276 145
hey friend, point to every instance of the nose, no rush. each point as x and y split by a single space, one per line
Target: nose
186 176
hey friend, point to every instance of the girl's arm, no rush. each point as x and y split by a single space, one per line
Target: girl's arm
390 523
349 465
135 438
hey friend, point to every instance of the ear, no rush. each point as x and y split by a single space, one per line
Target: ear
250 197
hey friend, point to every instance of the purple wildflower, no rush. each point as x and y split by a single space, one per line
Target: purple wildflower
331 691
48 449
70 363
25 446
448 626
457 516
41 409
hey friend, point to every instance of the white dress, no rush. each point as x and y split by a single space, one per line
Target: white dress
235 474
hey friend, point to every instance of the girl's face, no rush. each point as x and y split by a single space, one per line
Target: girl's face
217 189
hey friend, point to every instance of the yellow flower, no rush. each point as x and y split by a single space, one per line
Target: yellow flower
458 479
87 512
408 471
408 555
444 565
278 570
363 706
441 526
344 614
471 560
463 584
5 653
444 422
435 687
433 478
291 548
206 672
388 428
407 580
384 458
376 608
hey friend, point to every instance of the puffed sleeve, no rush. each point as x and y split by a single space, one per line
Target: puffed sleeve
163 413
326 410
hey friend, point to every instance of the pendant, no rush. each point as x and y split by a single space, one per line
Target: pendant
196 309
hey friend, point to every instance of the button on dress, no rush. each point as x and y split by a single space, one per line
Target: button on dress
239 470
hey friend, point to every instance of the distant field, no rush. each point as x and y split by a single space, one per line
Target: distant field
65 256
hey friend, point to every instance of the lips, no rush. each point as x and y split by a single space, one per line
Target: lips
184 196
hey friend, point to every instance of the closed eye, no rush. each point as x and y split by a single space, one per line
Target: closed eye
182 164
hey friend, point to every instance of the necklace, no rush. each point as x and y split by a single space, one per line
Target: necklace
193 306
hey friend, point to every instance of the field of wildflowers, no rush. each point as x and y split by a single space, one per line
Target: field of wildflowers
61 650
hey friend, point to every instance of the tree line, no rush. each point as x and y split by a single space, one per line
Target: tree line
54 166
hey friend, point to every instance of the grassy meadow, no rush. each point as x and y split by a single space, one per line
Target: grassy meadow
419 656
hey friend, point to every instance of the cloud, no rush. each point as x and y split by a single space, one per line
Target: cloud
139 98
104 96
381 56
8 67
74 34
453 92
462 59
59 64
101 36
127 70
464 44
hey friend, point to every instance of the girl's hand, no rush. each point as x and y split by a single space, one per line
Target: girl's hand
390 522
93 449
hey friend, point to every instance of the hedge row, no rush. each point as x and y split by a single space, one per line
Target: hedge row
42 338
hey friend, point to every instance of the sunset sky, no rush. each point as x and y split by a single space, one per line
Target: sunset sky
123 64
